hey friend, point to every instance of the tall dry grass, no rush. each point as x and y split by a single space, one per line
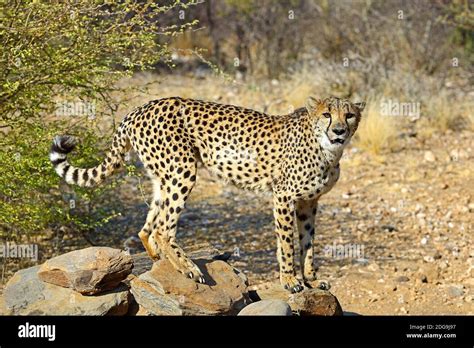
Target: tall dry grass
377 132
443 112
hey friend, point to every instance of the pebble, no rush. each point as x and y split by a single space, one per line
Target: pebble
389 228
402 279
429 156
428 258
455 291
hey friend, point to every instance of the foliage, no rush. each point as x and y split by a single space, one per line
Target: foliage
54 55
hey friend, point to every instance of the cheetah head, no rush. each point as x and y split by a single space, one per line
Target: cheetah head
335 120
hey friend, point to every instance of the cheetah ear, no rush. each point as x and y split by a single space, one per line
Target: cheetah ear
360 106
312 104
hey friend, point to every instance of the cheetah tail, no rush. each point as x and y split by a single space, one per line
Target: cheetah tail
87 177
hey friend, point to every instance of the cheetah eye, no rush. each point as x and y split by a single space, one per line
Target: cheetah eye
327 115
350 115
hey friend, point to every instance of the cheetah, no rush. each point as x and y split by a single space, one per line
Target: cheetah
294 156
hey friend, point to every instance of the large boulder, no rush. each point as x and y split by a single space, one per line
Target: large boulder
88 271
165 291
307 302
267 307
26 294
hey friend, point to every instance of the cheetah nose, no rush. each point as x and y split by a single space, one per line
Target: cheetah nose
339 130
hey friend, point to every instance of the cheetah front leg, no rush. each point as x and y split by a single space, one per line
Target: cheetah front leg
305 215
284 220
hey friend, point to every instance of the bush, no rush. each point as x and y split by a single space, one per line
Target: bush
31 194
59 60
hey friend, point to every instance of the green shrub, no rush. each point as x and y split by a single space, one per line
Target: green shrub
55 54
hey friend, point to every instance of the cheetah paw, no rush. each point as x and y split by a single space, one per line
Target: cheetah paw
292 284
197 278
323 285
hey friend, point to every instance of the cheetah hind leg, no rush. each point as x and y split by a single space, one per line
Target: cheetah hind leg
144 234
173 196
153 254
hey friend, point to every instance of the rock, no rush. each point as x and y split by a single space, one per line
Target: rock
428 258
429 273
267 307
306 302
26 294
402 279
458 154
165 291
455 291
151 297
389 228
142 262
315 302
88 271
429 156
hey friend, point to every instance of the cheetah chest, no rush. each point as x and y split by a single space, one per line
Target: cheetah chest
315 183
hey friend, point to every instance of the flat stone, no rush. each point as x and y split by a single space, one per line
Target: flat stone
307 302
88 271
267 307
402 279
26 294
151 297
165 291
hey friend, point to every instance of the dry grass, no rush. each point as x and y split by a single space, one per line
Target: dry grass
298 93
443 113
376 132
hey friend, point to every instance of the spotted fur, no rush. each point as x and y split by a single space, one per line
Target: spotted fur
295 156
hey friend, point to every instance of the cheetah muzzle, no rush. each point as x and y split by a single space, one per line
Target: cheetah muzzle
294 156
